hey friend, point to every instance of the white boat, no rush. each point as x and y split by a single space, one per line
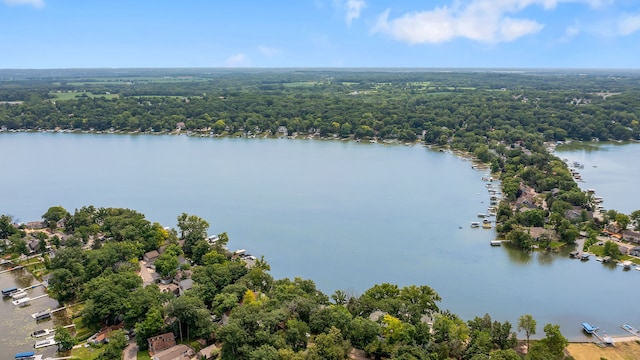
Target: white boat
21 302
481 215
638 268
41 333
19 295
599 259
496 242
44 343
475 224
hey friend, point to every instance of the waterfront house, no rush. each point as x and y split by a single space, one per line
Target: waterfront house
633 236
635 251
151 256
161 342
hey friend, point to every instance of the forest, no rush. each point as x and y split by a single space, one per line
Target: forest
236 304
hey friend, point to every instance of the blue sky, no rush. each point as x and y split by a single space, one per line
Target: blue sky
320 33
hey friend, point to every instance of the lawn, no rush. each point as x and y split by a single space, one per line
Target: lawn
87 353
70 95
143 355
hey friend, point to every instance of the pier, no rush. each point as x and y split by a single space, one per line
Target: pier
12 269
630 329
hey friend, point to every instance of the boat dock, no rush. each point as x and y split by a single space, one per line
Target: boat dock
630 329
12 269
25 301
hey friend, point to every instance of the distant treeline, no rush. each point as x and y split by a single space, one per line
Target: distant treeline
467 108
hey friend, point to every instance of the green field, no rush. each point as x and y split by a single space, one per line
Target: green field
70 95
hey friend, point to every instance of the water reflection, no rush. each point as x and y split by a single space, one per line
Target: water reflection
516 255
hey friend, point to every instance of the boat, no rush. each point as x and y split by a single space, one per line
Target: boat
486 225
42 315
475 224
21 302
589 329
27 355
496 242
41 333
599 259
9 291
44 343
19 295
638 268
481 215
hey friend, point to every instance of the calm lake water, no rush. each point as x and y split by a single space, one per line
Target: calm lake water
347 215
17 323
612 169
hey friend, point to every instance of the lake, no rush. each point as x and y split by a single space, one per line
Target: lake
609 168
347 215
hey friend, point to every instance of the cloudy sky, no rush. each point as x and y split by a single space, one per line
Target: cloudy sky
320 33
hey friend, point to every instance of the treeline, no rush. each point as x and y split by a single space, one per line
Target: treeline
243 308
458 106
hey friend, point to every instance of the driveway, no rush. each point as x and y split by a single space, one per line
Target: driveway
131 351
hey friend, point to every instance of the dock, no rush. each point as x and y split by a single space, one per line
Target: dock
12 269
630 329
25 301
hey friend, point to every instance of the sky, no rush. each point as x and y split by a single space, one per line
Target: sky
320 33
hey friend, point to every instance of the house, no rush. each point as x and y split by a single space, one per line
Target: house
34 245
180 125
151 256
635 251
538 233
161 342
35 225
612 228
176 352
633 236
172 289
208 352
185 285
283 130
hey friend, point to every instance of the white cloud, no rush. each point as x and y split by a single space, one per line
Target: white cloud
479 20
268 51
570 32
353 9
628 25
35 3
237 60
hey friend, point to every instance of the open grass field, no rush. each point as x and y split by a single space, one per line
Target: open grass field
87 353
588 351
61 96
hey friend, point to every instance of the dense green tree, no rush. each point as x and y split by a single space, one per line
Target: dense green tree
192 317
6 227
329 346
117 343
192 229
151 325
166 265
64 338
527 324
55 214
